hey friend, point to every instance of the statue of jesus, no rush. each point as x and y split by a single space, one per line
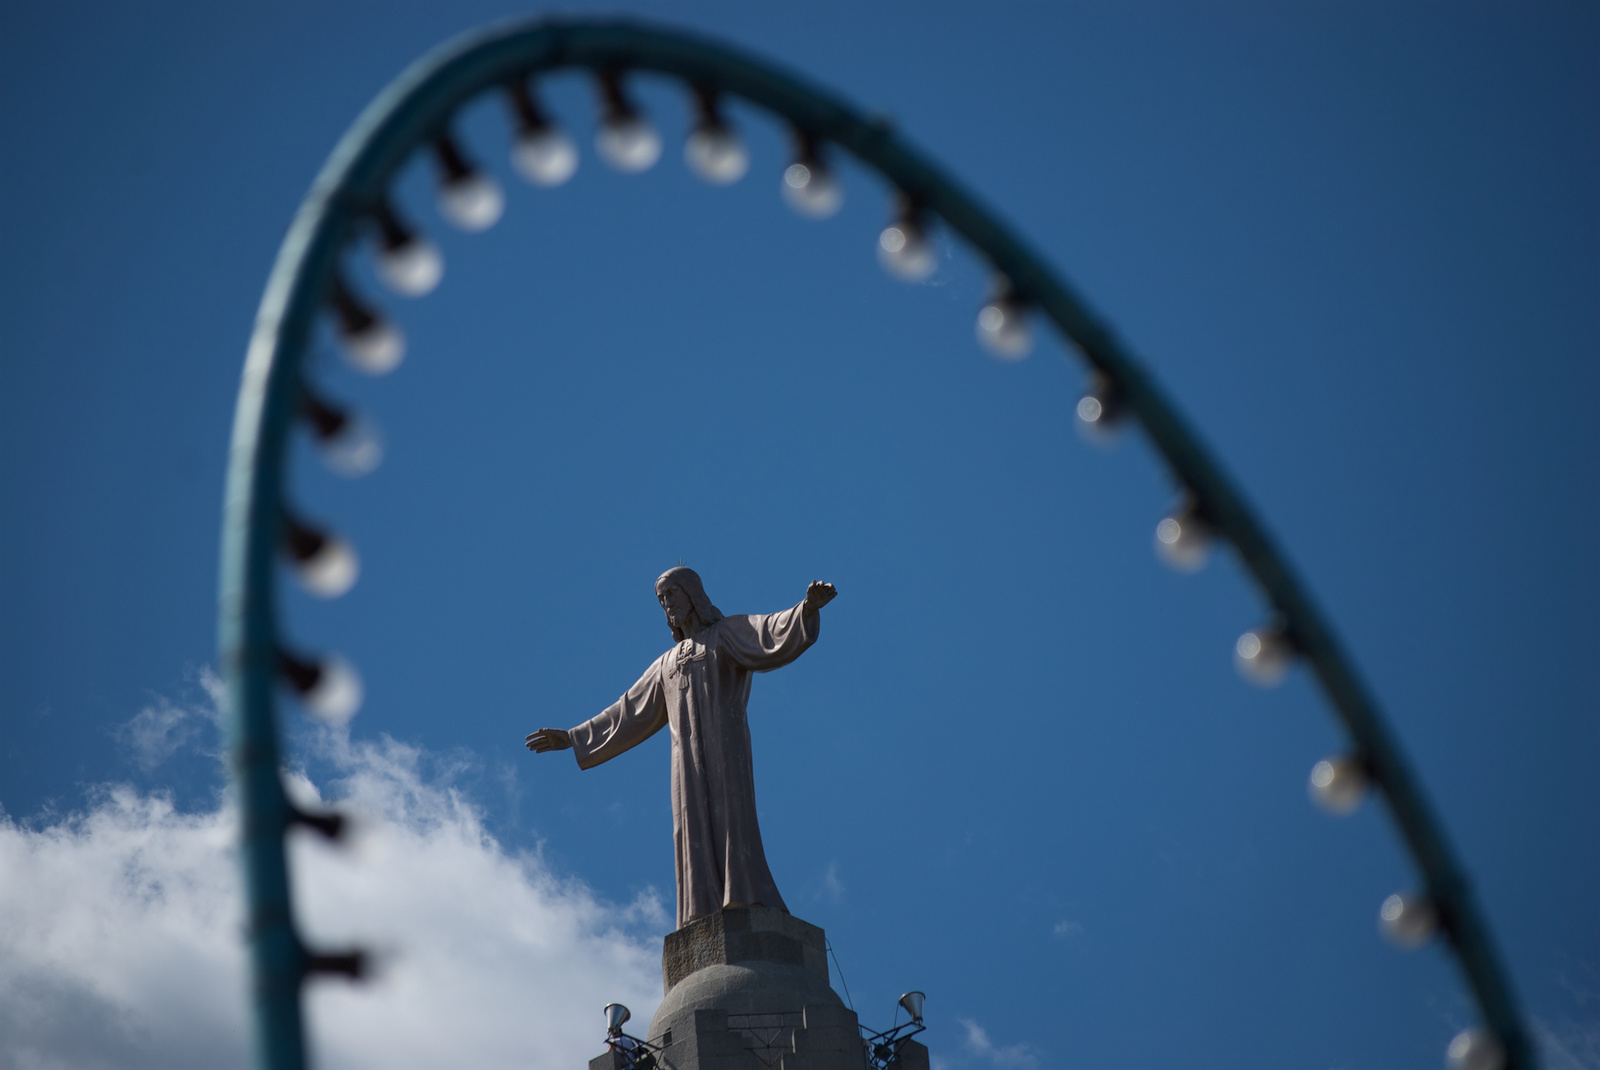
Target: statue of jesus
699 690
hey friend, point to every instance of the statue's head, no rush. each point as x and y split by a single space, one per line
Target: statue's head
683 599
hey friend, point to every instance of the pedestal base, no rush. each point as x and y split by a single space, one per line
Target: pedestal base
747 989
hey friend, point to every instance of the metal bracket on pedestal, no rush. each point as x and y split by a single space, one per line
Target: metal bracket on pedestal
883 1048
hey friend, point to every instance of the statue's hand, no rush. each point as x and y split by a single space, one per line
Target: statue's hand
548 739
819 594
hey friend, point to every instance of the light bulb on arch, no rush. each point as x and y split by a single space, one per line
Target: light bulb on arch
1002 326
811 190
629 143
1408 920
355 450
713 151
473 202
1184 537
543 153
716 154
329 688
905 251
625 140
408 263
1099 412
1263 655
1475 1049
349 444
808 185
325 564
372 345
468 197
1338 785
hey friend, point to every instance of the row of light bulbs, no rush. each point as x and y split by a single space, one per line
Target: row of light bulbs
469 198
1184 539
1337 785
543 154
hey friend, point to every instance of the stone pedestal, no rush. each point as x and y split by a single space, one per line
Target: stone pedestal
747 989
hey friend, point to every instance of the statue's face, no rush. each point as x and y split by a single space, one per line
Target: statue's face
675 603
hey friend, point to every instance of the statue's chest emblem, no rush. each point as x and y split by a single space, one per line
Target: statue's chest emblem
685 659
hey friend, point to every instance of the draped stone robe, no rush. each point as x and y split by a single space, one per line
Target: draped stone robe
699 689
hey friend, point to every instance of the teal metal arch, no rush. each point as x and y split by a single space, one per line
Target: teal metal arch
351 191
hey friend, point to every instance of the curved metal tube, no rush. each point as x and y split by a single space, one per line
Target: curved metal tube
415 108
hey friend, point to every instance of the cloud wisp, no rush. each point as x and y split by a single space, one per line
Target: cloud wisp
120 931
1008 1056
829 889
165 727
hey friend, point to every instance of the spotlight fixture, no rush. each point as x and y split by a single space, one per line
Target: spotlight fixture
883 1049
637 1054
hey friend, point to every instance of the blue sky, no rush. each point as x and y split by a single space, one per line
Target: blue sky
1356 242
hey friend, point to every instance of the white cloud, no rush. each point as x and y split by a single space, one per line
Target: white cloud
164 727
832 888
1567 1043
119 938
1568 1038
1065 930
120 933
1022 1056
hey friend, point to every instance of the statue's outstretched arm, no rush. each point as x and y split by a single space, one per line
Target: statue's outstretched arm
549 739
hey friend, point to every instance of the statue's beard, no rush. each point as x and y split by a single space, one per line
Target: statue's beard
683 629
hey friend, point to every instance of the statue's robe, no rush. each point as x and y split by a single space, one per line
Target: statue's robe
699 689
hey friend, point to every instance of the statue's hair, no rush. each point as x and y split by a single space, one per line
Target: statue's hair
688 581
